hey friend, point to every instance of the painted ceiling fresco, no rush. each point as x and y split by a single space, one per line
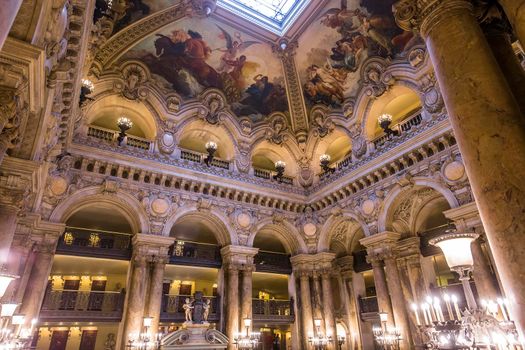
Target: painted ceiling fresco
334 47
194 54
129 11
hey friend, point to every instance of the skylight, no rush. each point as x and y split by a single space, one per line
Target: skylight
274 15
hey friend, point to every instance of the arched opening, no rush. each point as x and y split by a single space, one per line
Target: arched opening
401 103
271 294
266 154
196 134
104 114
338 147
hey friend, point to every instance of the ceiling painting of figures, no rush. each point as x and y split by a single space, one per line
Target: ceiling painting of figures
125 12
334 47
194 54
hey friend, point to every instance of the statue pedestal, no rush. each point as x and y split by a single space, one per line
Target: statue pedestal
195 336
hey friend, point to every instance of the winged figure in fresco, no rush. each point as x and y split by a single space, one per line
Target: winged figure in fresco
232 49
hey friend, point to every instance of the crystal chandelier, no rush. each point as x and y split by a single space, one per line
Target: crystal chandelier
12 333
211 148
324 161
247 339
319 340
387 338
280 166
124 124
145 340
477 327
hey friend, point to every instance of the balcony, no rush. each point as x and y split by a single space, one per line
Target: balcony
272 262
368 305
92 243
110 136
268 175
401 129
274 311
197 157
195 254
172 308
74 305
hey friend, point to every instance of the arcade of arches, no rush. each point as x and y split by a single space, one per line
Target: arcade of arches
289 168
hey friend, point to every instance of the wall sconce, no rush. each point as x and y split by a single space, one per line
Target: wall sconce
124 124
86 88
324 161
211 148
279 167
384 121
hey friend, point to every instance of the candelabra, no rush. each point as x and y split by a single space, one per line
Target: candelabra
318 340
86 88
145 340
387 338
324 161
12 333
247 340
486 327
124 124
279 167
211 148
340 340
384 121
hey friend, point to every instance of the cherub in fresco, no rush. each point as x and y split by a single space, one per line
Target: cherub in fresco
233 47
327 80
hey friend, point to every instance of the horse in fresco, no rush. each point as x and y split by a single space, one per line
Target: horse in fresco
190 55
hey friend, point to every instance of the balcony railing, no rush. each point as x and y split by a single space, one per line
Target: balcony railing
272 262
172 308
368 305
198 157
273 311
94 243
109 135
268 175
401 128
195 254
74 305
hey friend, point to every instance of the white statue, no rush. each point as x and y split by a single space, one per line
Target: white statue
206 307
187 310
110 342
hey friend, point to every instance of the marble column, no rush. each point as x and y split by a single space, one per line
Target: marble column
317 306
306 306
482 274
21 259
383 299
38 279
399 303
7 17
499 41
328 304
246 290
8 214
155 292
487 124
133 322
351 310
232 300
515 11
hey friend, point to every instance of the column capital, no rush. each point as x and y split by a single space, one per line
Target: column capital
408 247
465 216
154 247
240 256
423 15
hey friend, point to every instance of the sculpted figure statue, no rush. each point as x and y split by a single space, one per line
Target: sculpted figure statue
206 307
110 342
187 310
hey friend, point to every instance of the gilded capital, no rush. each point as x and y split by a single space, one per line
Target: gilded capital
423 15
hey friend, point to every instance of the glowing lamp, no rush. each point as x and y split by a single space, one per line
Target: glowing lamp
456 248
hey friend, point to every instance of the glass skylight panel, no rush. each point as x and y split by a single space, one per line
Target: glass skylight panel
275 15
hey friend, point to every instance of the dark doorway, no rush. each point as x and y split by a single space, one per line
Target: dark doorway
89 338
59 340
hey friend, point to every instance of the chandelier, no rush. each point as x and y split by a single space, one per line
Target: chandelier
387 338
12 333
477 327
247 339
145 340
280 166
124 124
319 340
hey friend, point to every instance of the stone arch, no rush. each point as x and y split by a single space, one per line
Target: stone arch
286 233
399 192
214 220
125 203
330 225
